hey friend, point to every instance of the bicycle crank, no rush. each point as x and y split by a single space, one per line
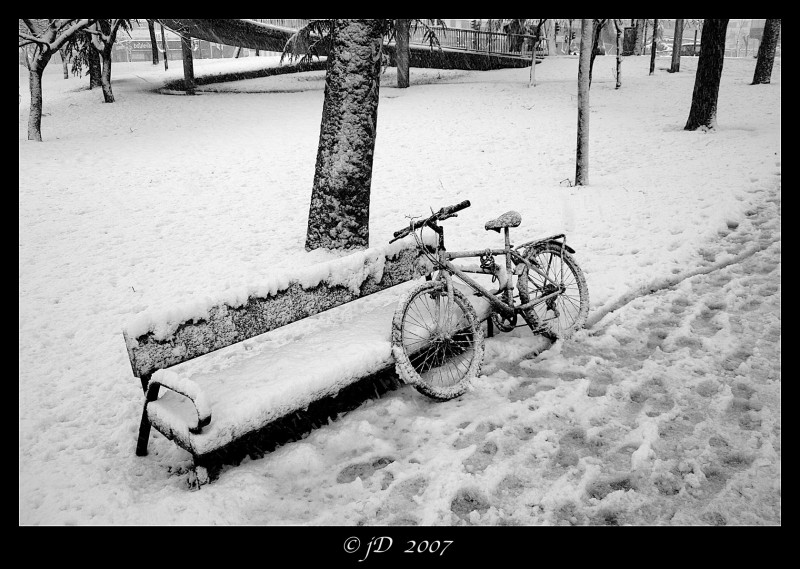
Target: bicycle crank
504 324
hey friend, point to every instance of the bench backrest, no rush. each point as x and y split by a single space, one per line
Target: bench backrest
160 341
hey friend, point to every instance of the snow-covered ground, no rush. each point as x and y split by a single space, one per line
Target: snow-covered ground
666 410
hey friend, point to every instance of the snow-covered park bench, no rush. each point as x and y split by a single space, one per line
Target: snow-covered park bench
215 407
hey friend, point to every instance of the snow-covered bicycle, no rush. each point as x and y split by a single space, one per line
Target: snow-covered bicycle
437 339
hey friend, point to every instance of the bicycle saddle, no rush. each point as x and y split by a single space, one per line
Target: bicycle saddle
508 219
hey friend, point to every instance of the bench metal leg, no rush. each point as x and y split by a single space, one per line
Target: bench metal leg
144 426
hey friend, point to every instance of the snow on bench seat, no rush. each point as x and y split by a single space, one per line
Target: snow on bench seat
258 389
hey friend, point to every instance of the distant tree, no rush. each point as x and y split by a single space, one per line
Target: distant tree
104 34
654 47
703 112
82 56
584 63
639 26
535 30
92 62
619 29
64 61
188 64
677 40
165 47
766 52
153 43
597 29
403 55
40 39
514 29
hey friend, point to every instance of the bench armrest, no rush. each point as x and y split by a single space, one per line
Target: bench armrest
185 387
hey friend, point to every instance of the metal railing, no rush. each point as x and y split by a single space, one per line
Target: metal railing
456 38
293 24
487 42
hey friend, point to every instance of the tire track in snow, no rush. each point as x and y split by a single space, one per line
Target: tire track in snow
662 283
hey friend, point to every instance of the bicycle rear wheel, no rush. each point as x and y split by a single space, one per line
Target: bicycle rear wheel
437 342
562 315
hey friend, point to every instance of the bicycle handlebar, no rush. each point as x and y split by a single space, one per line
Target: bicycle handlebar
444 213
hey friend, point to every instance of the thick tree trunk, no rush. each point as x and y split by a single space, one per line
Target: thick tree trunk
766 52
105 58
95 69
677 40
35 114
403 56
188 65
584 61
709 71
653 47
153 43
339 213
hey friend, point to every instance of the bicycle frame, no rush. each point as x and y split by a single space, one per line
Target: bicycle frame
506 307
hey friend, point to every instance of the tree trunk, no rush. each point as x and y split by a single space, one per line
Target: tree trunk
709 71
637 44
188 65
582 158
551 39
597 28
619 31
402 50
338 216
766 52
64 62
571 37
105 58
95 69
653 47
165 47
677 40
644 36
35 114
153 43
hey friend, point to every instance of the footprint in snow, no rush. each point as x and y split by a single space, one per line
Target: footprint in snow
468 504
362 470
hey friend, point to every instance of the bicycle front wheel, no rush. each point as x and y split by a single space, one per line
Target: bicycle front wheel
566 310
437 342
